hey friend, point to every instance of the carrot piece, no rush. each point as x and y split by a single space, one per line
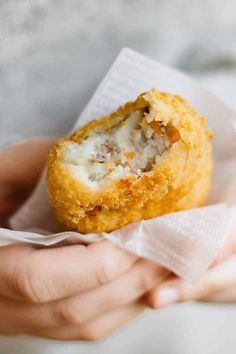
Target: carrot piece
129 154
156 127
172 133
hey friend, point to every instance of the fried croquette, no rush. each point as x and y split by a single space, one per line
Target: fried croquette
150 157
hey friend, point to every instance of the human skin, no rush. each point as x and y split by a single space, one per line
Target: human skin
84 293
70 293
218 284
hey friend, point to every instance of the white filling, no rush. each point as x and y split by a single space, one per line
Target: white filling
131 148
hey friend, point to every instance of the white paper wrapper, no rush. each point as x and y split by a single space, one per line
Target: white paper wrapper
185 242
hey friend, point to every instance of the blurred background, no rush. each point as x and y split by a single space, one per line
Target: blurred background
53 54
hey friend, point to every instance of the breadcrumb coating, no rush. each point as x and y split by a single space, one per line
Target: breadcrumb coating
177 178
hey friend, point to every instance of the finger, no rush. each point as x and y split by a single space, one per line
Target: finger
7 208
9 205
165 293
216 279
125 289
50 274
80 309
22 163
225 296
97 328
21 317
20 167
228 249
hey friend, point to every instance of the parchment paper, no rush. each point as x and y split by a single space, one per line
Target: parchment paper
185 242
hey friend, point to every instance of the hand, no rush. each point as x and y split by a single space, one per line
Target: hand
72 292
21 165
217 285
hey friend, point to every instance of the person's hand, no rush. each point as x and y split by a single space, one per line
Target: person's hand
21 165
71 292
217 285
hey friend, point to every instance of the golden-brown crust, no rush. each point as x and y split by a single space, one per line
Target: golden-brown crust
180 181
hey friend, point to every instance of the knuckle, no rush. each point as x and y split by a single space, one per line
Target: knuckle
143 280
70 315
104 273
30 284
22 280
25 284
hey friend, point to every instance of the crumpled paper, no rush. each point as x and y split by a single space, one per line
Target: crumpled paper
185 242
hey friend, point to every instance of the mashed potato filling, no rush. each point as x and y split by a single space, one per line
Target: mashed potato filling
130 148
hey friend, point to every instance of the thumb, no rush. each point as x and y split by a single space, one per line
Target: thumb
217 279
20 167
22 163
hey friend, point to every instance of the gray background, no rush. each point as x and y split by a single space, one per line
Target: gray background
52 56
53 53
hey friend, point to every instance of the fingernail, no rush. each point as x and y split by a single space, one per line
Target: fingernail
167 296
